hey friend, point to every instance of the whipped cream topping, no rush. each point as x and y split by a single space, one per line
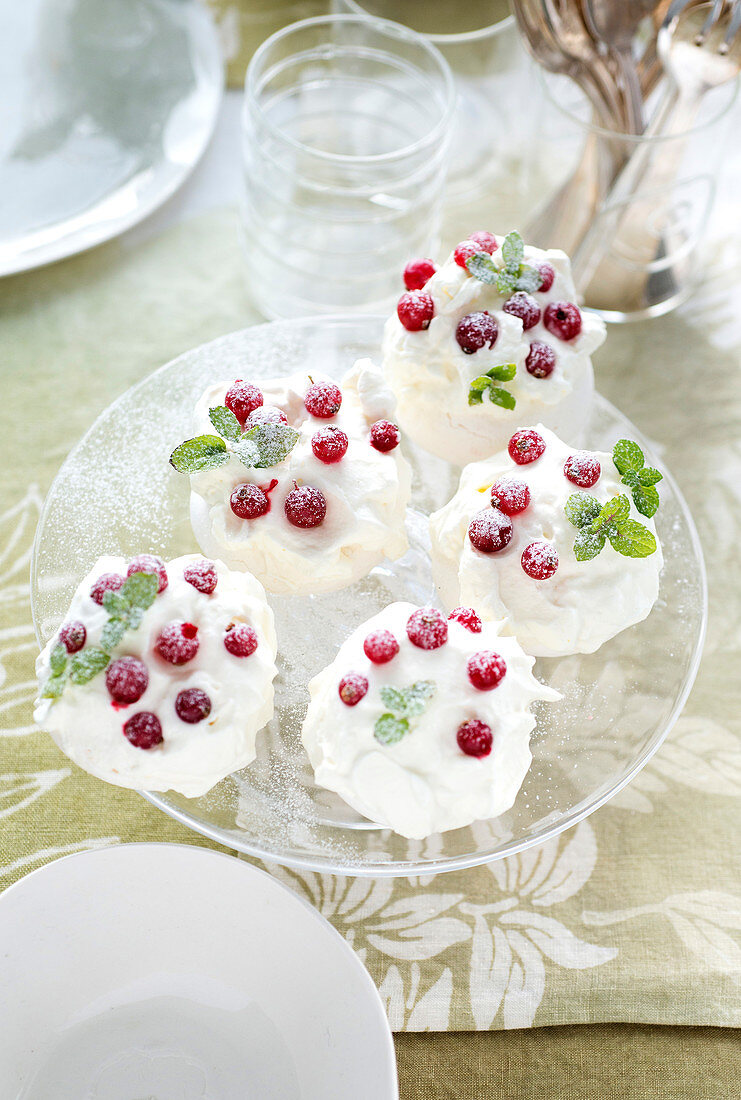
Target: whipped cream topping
431 375
584 603
423 783
366 492
88 725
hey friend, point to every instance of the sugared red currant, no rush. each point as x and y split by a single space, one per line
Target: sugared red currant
427 629
525 446
305 506
525 307
547 275
126 679
240 640
192 705
487 242
106 582
415 310
380 647
417 273
177 643
329 444
267 414
582 469
150 563
510 496
202 575
475 738
490 530
323 400
486 669
464 251
563 319
72 636
249 501
143 730
540 560
243 398
467 617
353 687
541 359
384 436
476 331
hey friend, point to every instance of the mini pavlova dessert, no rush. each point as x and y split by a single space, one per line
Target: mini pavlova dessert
549 536
305 484
422 724
490 340
161 675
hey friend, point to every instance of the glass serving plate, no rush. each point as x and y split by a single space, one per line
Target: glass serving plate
618 704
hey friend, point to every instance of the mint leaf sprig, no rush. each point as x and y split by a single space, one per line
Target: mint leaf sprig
259 447
597 523
403 704
631 465
514 274
125 610
505 372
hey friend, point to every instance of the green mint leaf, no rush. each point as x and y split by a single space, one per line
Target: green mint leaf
581 509
646 499
588 544
417 697
274 442
388 729
247 452
505 372
506 283
112 633
501 397
632 540
649 476
627 455
613 513
529 279
134 617
87 664
202 453
393 699
54 686
140 589
226 423
513 251
476 392
115 603
483 268
631 479
58 659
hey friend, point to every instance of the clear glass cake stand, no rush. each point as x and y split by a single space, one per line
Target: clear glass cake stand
618 704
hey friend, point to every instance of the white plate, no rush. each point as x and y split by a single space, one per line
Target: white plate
168 972
105 107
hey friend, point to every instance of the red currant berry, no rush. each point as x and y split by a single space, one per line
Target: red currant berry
192 705
143 730
177 643
476 331
323 400
510 496
249 501
490 530
525 307
243 398
380 647
475 738
329 444
268 414
464 251
487 242
427 629
126 679
415 310
240 640
563 319
106 582
467 617
305 506
202 575
486 669
384 436
150 563
353 687
541 359
547 275
417 273
73 636
525 446
583 469
540 560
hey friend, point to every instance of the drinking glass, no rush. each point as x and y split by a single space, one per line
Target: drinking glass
345 139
